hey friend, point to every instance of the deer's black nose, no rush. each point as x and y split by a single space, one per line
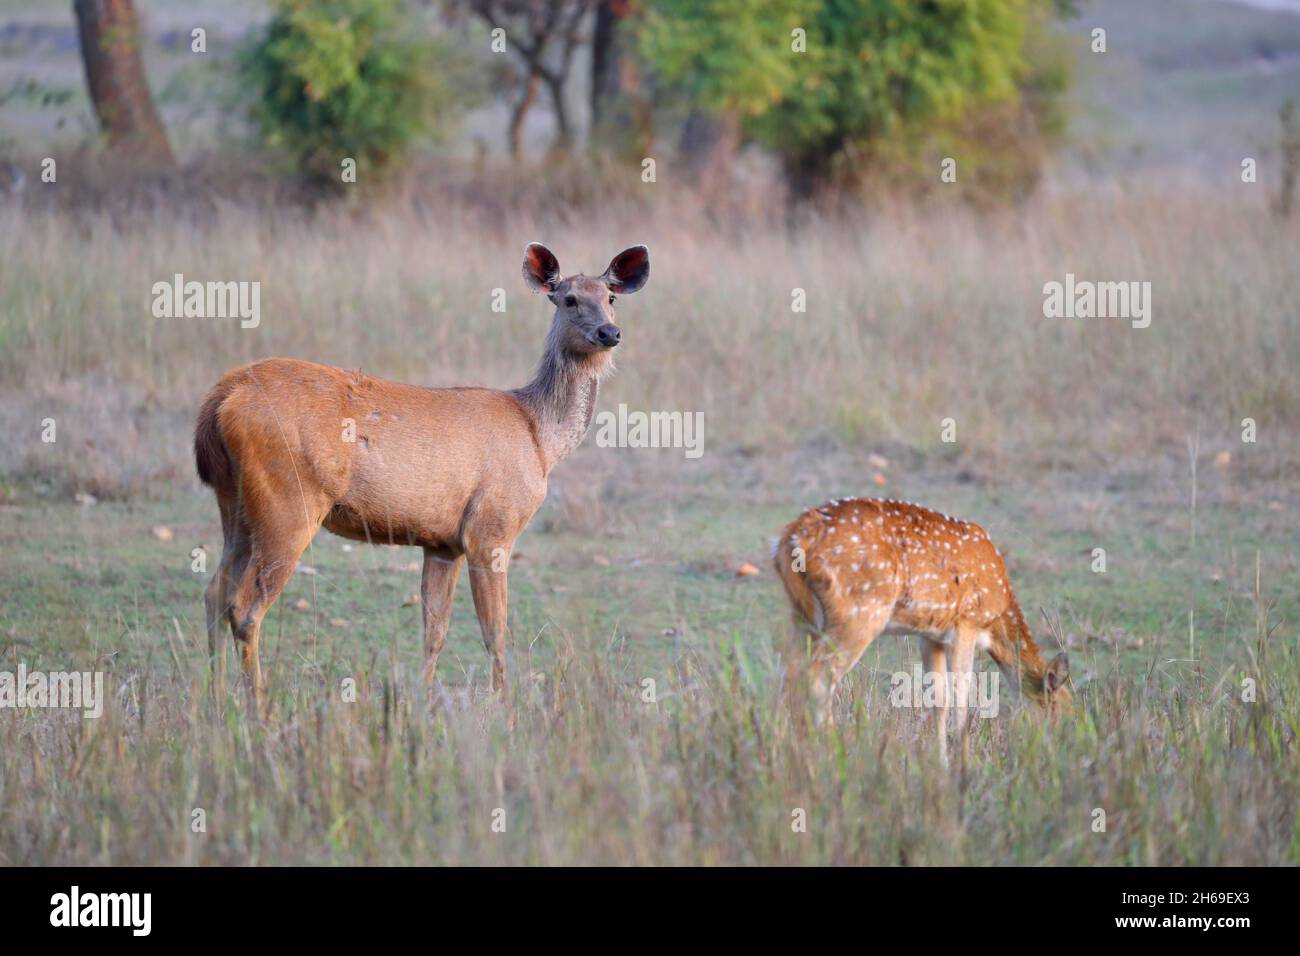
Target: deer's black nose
608 335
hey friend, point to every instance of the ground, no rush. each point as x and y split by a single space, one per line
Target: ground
632 576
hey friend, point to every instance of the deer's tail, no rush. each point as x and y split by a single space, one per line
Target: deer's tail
800 586
211 456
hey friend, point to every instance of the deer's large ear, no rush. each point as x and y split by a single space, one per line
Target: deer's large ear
541 268
628 271
1057 671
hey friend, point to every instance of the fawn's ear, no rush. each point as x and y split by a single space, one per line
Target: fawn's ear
628 271
1057 671
541 268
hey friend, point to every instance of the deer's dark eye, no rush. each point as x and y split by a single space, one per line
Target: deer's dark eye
571 300
611 300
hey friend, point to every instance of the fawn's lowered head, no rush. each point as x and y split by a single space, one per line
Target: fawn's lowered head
584 305
1050 690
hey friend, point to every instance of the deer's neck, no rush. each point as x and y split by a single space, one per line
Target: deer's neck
1014 651
561 399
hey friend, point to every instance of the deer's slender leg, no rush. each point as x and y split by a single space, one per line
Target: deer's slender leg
858 634
214 600
855 635
437 587
267 572
282 527
798 656
234 559
963 665
844 643
936 671
819 682
487 581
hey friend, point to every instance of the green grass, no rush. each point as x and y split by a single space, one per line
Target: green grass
664 558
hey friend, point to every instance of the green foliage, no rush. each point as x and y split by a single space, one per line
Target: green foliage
725 55
1002 143
343 78
872 69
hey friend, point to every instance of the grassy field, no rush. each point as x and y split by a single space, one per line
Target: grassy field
618 582
1070 435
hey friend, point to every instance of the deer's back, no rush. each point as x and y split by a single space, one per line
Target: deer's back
934 570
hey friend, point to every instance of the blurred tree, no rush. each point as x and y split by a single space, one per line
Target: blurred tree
620 113
110 49
729 59
727 56
1290 121
709 145
1002 144
545 34
820 81
344 79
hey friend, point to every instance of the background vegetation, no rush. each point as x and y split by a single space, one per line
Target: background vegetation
343 79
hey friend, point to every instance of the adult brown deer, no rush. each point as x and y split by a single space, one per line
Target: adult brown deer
862 566
291 446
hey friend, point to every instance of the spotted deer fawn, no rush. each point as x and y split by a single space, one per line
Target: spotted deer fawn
292 446
862 566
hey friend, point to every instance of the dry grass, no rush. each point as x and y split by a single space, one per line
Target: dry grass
911 318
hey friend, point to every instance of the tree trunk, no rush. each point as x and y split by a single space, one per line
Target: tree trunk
519 114
604 59
620 116
808 171
709 146
110 50
563 131
1290 158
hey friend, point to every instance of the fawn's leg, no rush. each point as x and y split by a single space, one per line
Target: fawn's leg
819 680
437 587
800 647
936 671
856 636
962 660
846 640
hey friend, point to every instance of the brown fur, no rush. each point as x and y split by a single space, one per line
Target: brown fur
458 472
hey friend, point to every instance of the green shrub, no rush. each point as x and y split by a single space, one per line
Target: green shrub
336 79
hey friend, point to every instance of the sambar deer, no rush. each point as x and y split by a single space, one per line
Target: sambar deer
857 567
291 446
